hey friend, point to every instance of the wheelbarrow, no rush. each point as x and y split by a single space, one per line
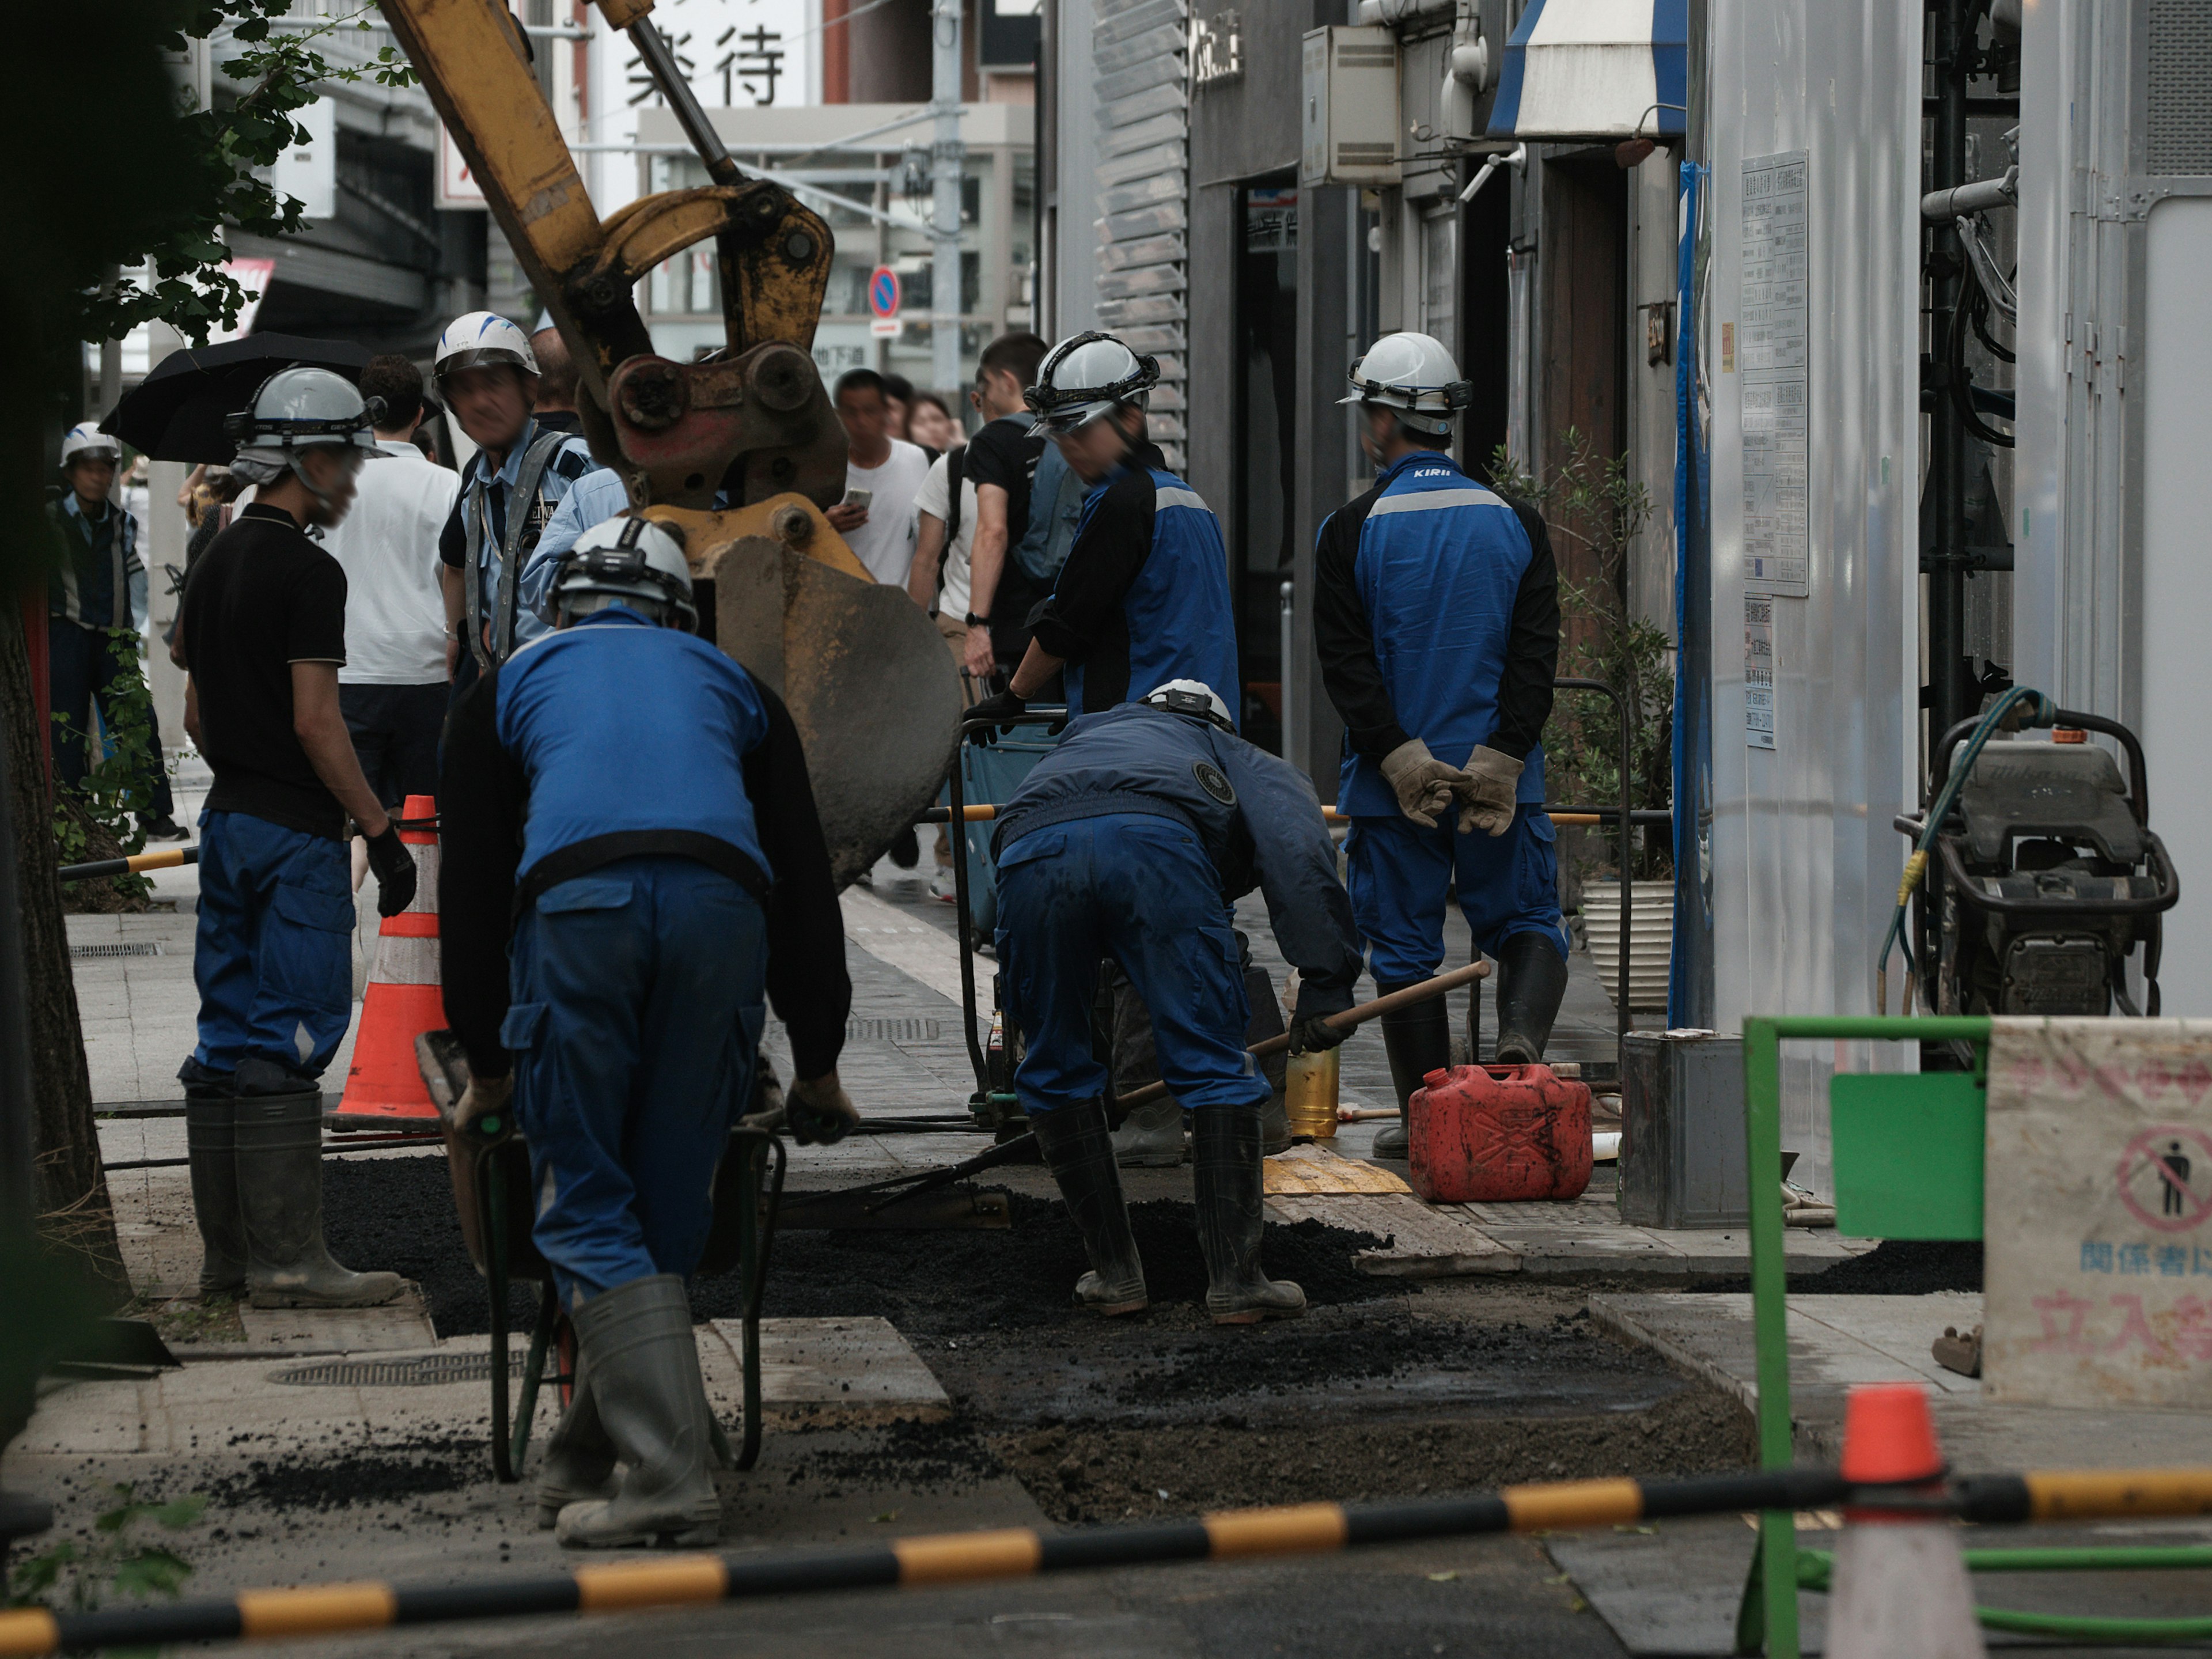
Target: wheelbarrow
490 1169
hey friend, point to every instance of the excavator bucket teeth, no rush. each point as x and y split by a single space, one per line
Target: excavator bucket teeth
865 675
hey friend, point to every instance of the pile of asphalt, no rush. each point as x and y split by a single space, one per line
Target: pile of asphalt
1896 1266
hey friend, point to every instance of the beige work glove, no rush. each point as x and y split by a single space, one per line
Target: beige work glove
1423 785
485 1096
1485 799
818 1110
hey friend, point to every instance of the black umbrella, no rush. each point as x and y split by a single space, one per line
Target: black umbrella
176 413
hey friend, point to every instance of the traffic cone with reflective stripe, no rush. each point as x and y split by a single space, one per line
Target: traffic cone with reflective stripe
1898 1589
384 1086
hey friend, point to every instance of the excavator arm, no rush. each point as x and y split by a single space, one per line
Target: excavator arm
867 678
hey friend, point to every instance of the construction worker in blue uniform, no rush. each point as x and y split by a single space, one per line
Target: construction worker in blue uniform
1144 596
1130 842
631 862
1436 621
524 465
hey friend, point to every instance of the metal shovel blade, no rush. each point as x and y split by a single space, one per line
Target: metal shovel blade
868 680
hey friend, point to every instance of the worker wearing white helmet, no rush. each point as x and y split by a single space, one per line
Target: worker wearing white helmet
1144 596
100 587
524 463
1129 842
1436 621
632 867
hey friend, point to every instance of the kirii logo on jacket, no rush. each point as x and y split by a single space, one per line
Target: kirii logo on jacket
1211 780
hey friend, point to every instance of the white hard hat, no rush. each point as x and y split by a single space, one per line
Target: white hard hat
627 561
300 408
1089 375
1414 375
1193 697
86 438
479 338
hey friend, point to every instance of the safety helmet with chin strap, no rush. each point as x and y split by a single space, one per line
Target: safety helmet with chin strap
481 339
1088 376
1192 697
1414 375
86 440
637 562
297 410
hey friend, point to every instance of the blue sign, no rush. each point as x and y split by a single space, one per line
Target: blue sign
883 291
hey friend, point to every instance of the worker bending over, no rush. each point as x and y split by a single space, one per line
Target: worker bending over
639 805
1130 842
1144 596
1437 619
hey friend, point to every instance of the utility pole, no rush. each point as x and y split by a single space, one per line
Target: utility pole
949 160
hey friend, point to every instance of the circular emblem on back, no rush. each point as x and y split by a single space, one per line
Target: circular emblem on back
1211 780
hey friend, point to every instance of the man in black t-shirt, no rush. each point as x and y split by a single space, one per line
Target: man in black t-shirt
261 634
1002 460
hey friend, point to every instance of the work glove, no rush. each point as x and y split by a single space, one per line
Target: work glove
485 1097
1312 1034
1485 799
1003 706
395 871
1423 784
819 1111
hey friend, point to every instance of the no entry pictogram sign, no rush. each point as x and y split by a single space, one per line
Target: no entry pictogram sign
2165 1177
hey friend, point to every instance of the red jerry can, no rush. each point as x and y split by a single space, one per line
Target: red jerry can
1498 1134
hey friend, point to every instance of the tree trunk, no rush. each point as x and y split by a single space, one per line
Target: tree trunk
73 1206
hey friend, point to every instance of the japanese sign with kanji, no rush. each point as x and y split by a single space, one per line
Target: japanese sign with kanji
738 54
2099 1213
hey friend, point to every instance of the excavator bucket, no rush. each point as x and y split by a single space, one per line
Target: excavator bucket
866 674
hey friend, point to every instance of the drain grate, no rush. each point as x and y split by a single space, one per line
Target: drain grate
892 1030
419 1371
151 947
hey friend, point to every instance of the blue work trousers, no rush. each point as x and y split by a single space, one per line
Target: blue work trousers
637 1013
274 954
1141 890
1399 873
81 670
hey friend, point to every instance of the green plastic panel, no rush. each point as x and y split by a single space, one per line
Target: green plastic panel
1907 1153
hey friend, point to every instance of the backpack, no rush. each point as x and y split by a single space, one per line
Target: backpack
1055 506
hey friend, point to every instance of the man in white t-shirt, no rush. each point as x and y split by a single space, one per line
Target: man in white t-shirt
392 688
935 515
883 477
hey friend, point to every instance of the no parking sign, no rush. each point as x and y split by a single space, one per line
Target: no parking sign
883 300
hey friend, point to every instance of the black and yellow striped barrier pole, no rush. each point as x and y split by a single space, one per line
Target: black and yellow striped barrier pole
1018 1552
167 858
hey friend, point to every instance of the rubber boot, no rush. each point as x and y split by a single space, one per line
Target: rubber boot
1532 978
1418 1041
211 1141
1225 1163
650 1401
1150 1137
1080 1156
579 1458
280 1187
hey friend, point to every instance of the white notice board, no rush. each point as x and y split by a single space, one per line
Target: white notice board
1771 356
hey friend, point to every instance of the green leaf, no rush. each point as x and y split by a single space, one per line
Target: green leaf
152 1573
182 1512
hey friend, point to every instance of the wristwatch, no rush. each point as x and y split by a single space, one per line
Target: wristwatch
974 621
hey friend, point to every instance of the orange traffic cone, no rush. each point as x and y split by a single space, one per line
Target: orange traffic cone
384 1086
1900 1588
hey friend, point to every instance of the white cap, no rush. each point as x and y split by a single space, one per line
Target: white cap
86 438
479 338
1414 375
1088 376
627 561
1192 697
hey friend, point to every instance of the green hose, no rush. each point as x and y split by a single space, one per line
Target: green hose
2045 713
1815 1568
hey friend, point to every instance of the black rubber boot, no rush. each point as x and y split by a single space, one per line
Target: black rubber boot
1225 1163
279 1160
1080 1155
651 1402
1418 1041
1532 978
211 1144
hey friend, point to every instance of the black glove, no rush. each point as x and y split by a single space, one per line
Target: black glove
395 871
1002 707
1312 1034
